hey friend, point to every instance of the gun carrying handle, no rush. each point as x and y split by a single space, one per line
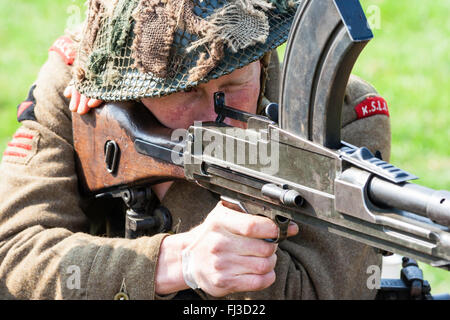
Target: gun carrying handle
281 222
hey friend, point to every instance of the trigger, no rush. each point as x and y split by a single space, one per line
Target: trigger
283 224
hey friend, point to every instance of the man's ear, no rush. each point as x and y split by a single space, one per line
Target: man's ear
270 78
272 84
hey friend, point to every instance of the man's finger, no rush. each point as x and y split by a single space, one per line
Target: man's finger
251 225
68 92
82 107
74 101
249 247
253 282
94 103
255 265
293 229
247 225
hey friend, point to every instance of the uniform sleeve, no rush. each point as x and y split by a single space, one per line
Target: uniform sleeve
45 252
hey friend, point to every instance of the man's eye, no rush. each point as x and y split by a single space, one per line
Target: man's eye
190 89
235 87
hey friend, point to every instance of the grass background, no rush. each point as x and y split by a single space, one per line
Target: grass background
408 62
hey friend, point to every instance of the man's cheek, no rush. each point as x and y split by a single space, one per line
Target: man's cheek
176 117
246 100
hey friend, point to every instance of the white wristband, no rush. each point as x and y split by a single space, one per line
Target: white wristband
186 263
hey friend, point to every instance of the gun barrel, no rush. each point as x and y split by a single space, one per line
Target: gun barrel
411 197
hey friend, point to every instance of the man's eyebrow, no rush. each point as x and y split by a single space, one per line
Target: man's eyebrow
235 82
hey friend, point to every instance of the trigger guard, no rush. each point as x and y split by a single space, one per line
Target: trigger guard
282 224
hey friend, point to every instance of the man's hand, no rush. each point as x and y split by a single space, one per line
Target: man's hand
227 254
78 102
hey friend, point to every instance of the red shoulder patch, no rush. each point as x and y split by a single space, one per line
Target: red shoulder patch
65 47
372 106
22 147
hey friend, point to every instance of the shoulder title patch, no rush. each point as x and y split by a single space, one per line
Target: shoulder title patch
22 147
372 106
64 46
25 110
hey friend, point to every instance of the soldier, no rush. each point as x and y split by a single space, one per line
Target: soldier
172 57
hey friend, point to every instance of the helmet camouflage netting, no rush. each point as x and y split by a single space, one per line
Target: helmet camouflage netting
133 49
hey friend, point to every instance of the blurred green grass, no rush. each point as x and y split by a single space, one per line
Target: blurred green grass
408 62
27 30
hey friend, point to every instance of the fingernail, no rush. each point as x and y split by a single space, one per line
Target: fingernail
80 110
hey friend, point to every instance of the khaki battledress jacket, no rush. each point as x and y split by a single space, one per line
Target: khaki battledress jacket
49 234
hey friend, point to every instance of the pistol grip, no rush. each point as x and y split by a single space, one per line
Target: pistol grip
281 222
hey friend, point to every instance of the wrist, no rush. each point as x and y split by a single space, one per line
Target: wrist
169 272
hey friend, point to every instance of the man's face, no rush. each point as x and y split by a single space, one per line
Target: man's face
181 109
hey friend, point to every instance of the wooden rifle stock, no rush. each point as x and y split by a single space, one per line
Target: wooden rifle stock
106 157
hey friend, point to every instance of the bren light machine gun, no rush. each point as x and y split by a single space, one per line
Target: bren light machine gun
319 180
